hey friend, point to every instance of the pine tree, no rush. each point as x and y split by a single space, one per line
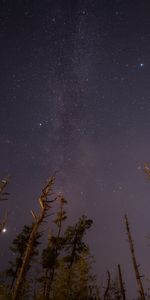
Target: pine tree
68 263
82 281
74 248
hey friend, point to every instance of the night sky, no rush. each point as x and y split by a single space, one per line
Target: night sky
75 98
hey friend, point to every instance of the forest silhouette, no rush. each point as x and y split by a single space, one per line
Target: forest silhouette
55 263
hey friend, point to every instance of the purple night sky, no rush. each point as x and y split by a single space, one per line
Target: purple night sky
75 97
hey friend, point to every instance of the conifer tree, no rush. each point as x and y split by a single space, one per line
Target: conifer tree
82 281
75 247
68 262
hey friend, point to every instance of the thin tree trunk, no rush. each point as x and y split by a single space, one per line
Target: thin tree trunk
51 273
29 249
3 184
108 286
122 289
14 278
69 291
135 266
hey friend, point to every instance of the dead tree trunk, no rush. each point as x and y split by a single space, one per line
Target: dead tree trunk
38 219
122 289
3 196
135 266
108 286
61 216
3 184
3 223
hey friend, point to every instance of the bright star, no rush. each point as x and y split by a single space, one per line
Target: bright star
4 230
141 65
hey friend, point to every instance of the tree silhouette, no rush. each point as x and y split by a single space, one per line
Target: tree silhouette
38 220
3 197
18 248
51 253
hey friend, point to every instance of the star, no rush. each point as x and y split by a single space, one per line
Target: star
75 97
141 65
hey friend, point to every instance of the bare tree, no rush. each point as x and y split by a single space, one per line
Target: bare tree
147 170
38 220
106 294
3 195
55 246
3 222
122 289
135 265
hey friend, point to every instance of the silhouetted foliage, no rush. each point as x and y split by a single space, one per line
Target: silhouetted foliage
62 269
18 248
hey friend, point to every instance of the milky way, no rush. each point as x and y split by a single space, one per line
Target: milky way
75 97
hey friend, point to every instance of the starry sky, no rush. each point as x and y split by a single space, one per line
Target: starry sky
75 98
